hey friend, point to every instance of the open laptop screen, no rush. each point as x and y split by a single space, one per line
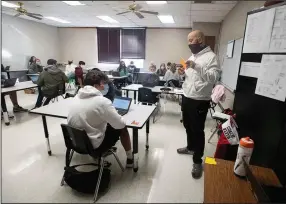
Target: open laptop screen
121 103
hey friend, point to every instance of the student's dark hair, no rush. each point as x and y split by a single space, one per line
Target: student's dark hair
169 64
51 62
81 63
31 60
95 77
122 67
96 69
70 62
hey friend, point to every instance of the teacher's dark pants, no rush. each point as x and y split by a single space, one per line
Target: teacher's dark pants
194 117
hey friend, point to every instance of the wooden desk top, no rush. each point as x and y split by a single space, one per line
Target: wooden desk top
222 186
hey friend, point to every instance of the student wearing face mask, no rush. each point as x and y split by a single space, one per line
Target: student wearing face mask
201 74
95 114
79 73
169 65
162 71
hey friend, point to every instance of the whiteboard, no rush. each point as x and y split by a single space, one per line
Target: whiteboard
230 67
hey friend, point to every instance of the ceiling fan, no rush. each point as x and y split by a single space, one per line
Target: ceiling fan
22 11
136 9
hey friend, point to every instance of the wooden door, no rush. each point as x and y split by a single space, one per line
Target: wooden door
210 41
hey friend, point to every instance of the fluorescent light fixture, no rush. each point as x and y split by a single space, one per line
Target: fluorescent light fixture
6 54
166 19
74 3
6 4
107 19
57 19
156 2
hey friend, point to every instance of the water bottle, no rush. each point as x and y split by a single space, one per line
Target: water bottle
245 150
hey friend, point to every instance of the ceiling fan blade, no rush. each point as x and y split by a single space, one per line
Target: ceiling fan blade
18 14
139 15
35 14
36 17
123 12
150 12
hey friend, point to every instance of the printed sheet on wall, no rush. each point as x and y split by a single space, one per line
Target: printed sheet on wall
266 31
272 77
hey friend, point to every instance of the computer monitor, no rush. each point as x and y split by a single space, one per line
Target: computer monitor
122 103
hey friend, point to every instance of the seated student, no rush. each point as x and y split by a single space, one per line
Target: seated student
172 74
50 82
112 90
95 114
79 73
152 67
33 66
130 69
169 65
162 71
122 69
13 95
70 70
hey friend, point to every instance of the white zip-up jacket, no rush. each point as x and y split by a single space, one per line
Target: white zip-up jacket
91 111
199 81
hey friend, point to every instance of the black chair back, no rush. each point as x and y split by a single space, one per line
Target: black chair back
173 83
77 140
136 70
145 95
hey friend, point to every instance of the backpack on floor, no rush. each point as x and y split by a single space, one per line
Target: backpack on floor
85 182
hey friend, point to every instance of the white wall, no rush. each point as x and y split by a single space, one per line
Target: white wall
209 29
164 45
23 39
233 28
78 44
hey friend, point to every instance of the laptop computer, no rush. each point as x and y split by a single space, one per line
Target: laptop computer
122 104
264 193
9 82
34 78
115 74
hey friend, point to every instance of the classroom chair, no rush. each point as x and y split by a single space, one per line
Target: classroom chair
147 97
77 140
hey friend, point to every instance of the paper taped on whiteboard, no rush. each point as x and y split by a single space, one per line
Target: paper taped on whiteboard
271 81
249 69
230 46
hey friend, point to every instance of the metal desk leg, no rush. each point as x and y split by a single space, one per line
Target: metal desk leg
46 134
127 93
147 134
8 75
135 149
135 98
4 109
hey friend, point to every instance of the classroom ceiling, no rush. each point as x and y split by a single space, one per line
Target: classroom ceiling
183 12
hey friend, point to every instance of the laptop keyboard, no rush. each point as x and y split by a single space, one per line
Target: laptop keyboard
121 112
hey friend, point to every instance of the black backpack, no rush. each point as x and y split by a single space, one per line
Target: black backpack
85 182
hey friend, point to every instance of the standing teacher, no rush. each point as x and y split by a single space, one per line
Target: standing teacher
200 76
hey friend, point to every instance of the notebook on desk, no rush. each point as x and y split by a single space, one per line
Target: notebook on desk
264 193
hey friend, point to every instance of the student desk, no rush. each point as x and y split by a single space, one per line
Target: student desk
19 70
222 186
156 89
139 113
18 87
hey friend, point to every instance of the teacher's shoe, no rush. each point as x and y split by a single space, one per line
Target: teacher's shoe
19 109
185 150
129 163
197 171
